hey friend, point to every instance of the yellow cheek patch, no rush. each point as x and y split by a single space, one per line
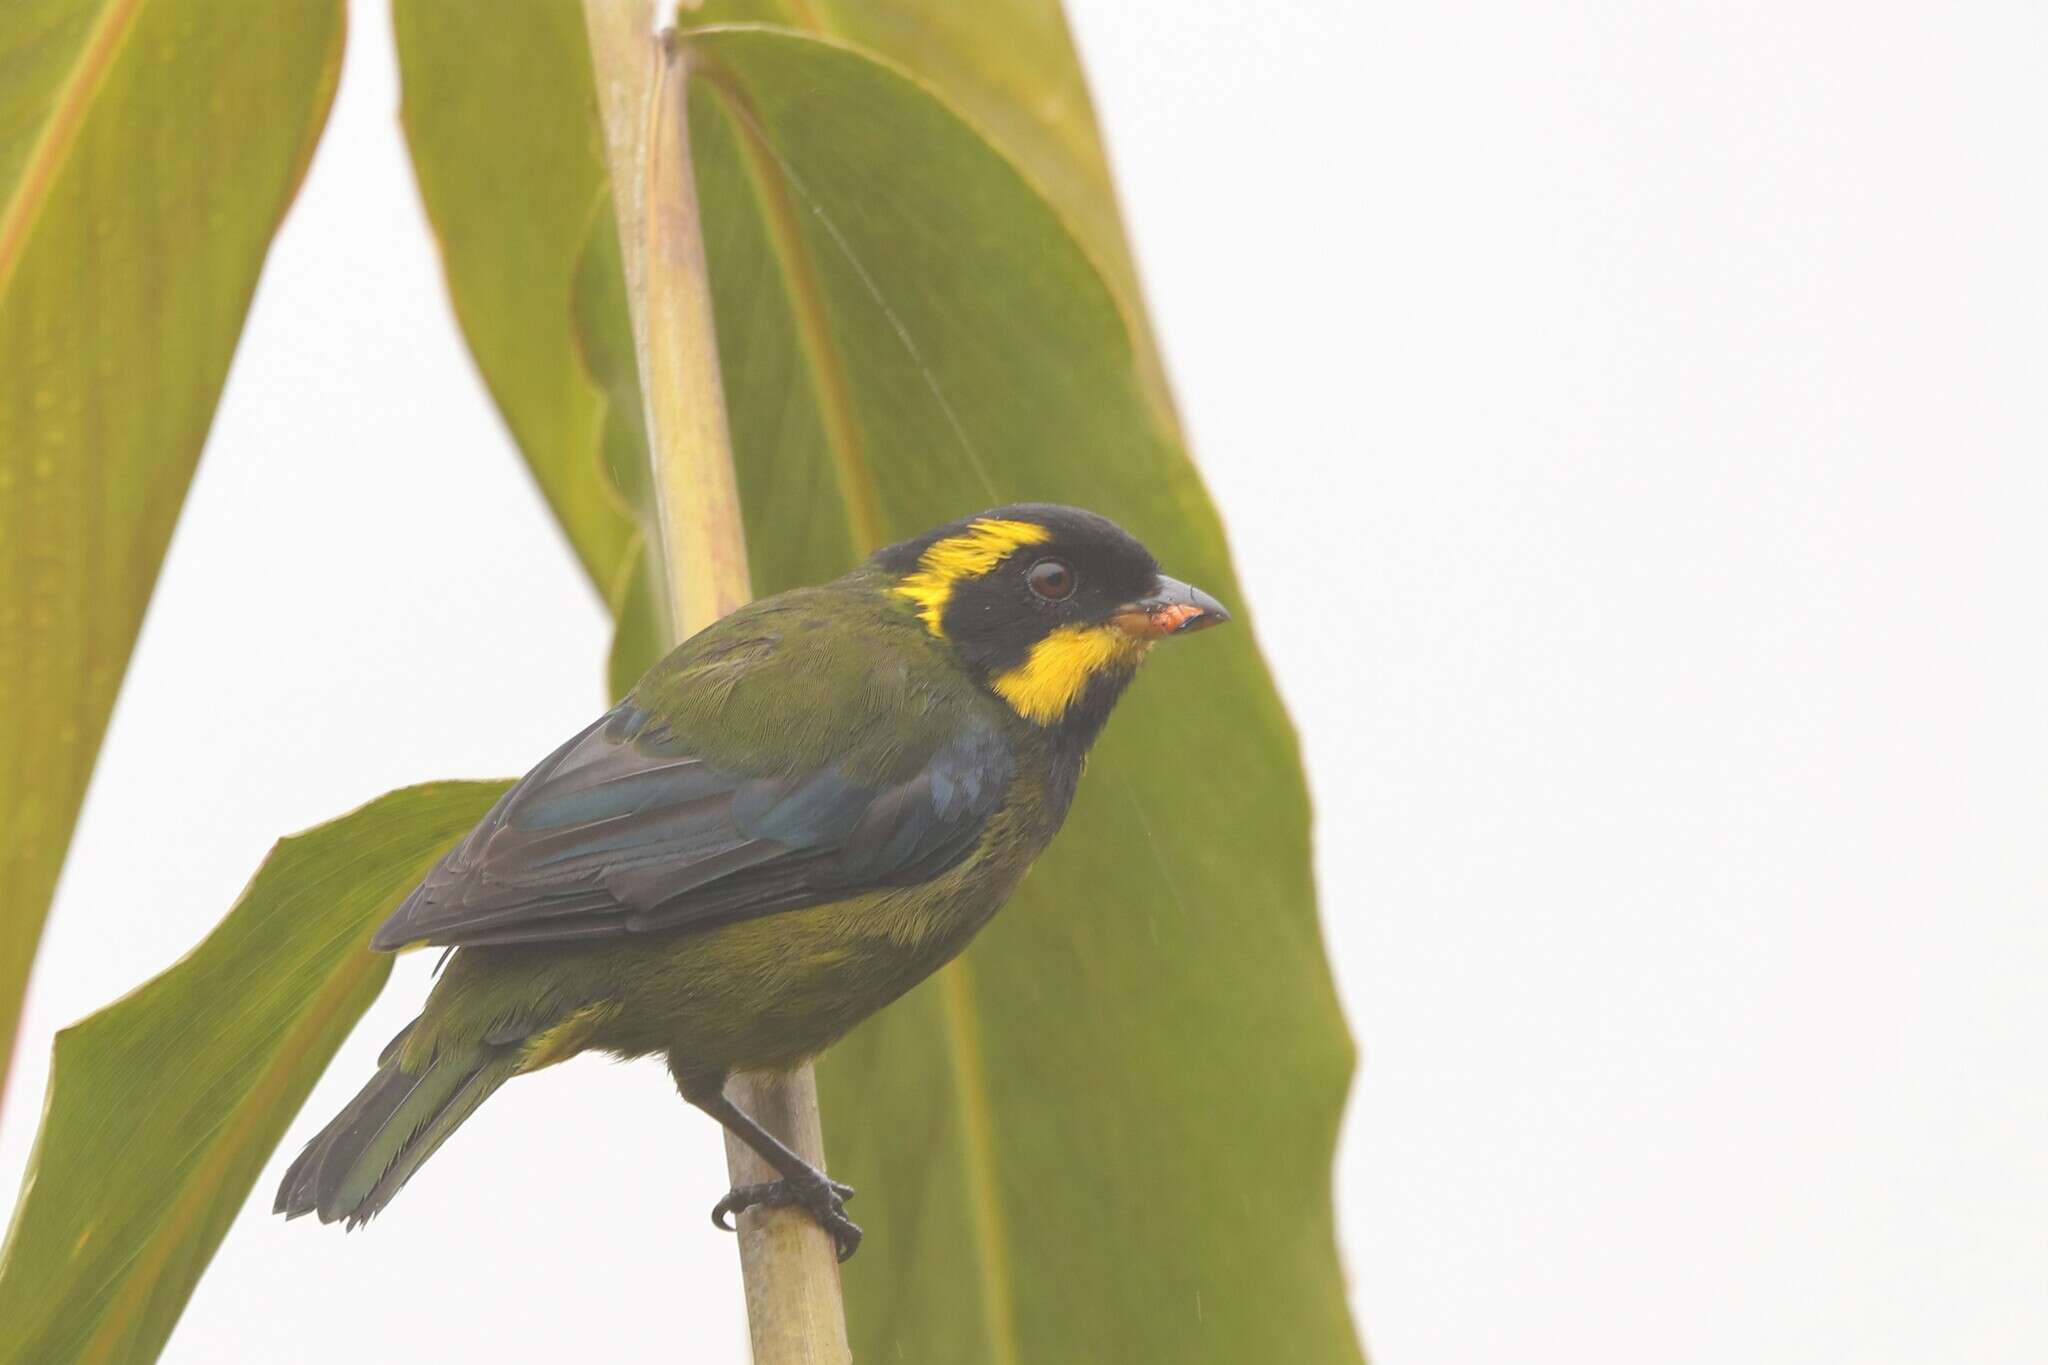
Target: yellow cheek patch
1047 684
970 554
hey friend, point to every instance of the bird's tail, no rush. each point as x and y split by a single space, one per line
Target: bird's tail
361 1159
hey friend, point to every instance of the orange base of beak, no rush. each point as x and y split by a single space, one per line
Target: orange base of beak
1161 620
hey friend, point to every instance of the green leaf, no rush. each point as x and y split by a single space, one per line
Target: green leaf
1010 68
1106 1133
164 1106
603 335
128 253
499 116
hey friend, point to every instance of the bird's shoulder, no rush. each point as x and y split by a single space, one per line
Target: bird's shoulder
842 674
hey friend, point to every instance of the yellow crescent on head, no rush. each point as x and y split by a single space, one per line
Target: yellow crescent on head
972 553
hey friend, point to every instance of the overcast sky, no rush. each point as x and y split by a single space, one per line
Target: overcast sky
1630 423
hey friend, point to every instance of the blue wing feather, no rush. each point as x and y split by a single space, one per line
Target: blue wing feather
615 834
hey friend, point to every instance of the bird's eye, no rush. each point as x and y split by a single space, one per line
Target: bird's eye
1052 580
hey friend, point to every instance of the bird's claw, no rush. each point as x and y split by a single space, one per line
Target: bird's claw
825 1201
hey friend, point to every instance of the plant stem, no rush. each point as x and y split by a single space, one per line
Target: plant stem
794 1307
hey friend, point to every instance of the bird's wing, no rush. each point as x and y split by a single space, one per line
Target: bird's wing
622 831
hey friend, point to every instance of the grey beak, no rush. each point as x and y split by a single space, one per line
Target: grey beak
1172 608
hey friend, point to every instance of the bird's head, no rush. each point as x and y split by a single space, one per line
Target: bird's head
1051 608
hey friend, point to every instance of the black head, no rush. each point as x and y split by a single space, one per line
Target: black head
1051 607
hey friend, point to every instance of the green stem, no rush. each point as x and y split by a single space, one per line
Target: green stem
794 1308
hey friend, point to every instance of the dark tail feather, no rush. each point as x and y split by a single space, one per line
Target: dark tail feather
373 1146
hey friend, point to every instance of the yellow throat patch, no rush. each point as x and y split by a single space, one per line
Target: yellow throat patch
1061 666
972 553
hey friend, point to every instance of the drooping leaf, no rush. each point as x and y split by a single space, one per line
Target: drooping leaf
164 1106
499 117
1107 1132
148 149
603 336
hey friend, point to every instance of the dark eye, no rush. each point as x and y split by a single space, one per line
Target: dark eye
1052 580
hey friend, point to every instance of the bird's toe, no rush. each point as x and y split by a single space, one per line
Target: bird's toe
824 1201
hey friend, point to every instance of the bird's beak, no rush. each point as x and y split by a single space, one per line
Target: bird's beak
1173 608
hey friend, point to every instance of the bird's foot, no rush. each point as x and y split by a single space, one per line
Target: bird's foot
824 1199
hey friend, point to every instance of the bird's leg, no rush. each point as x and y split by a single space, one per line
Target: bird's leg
802 1185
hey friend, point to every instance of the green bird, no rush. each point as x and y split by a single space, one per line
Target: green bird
799 814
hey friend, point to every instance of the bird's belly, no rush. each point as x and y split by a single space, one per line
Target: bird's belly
766 994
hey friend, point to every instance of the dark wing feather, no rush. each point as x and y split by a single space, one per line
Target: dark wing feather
616 833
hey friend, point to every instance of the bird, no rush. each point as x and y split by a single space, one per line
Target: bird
794 817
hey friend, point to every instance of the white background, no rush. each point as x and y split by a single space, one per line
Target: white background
1630 422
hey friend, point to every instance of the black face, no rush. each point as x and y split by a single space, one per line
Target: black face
1084 569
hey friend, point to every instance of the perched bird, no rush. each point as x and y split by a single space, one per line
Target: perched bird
795 817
